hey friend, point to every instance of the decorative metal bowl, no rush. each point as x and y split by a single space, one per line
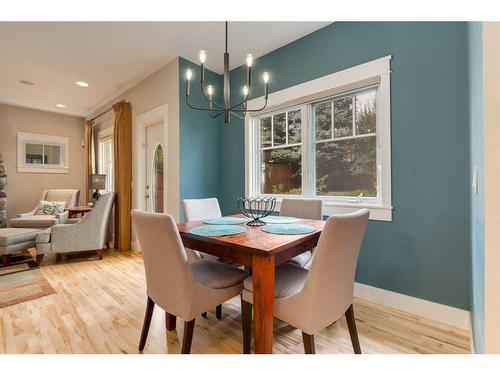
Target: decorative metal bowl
256 209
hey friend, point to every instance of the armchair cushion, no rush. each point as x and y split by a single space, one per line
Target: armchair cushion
34 221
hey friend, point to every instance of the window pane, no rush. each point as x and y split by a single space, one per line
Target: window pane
34 153
265 132
323 120
282 171
366 112
294 127
158 180
347 168
342 113
279 129
52 154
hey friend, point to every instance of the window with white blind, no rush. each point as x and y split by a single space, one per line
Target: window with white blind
328 138
106 164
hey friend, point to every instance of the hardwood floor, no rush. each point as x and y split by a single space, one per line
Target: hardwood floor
99 308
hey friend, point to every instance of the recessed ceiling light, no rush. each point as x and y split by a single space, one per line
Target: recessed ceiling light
60 105
25 82
82 84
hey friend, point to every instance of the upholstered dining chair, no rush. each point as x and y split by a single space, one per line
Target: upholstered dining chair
305 209
202 209
181 288
311 300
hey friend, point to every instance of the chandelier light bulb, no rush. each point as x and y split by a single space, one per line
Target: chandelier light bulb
189 74
266 77
249 60
210 90
203 56
245 90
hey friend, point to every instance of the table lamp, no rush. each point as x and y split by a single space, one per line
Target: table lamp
97 182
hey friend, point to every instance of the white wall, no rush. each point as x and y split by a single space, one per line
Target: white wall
24 189
161 88
491 83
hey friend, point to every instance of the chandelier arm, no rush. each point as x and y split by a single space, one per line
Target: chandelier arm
199 108
217 115
242 102
237 115
207 98
251 110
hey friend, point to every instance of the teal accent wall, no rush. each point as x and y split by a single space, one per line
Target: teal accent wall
425 251
200 140
477 200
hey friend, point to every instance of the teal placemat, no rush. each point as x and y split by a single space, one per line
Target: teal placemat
288 228
217 230
280 219
226 220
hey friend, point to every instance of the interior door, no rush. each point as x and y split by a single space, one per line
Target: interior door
155 168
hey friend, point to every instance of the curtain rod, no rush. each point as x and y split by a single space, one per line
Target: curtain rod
106 111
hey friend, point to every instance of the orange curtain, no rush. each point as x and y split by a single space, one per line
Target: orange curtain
88 158
122 143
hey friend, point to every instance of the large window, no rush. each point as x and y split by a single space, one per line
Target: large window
332 143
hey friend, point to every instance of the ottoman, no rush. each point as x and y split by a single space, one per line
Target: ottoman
13 240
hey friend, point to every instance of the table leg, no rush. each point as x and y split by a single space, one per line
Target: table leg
263 301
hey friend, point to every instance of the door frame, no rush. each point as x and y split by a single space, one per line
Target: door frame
491 182
152 117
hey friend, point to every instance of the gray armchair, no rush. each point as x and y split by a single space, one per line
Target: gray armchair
30 220
89 234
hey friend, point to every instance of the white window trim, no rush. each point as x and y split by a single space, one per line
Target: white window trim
23 138
380 209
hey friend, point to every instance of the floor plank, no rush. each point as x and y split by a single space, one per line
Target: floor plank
99 307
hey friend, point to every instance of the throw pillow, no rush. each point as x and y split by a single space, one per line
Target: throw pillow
50 208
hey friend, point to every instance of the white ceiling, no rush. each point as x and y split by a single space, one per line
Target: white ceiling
113 56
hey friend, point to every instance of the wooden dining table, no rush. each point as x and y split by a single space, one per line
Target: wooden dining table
261 252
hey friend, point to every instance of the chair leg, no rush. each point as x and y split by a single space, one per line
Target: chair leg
147 322
353 332
188 337
99 254
308 343
218 312
39 258
205 315
246 324
170 321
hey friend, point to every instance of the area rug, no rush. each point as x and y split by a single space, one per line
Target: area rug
21 283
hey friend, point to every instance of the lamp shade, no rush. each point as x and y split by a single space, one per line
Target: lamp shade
97 181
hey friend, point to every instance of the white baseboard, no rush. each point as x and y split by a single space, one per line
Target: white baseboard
427 309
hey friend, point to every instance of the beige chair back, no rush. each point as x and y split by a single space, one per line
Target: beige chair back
70 196
201 209
169 277
329 287
303 208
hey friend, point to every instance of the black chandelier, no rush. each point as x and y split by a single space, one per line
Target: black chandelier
226 109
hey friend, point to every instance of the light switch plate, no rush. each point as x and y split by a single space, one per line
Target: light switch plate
475 181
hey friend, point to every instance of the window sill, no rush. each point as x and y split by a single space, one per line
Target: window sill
42 170
377 212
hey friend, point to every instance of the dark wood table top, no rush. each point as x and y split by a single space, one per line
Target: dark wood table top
79 208
254 241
